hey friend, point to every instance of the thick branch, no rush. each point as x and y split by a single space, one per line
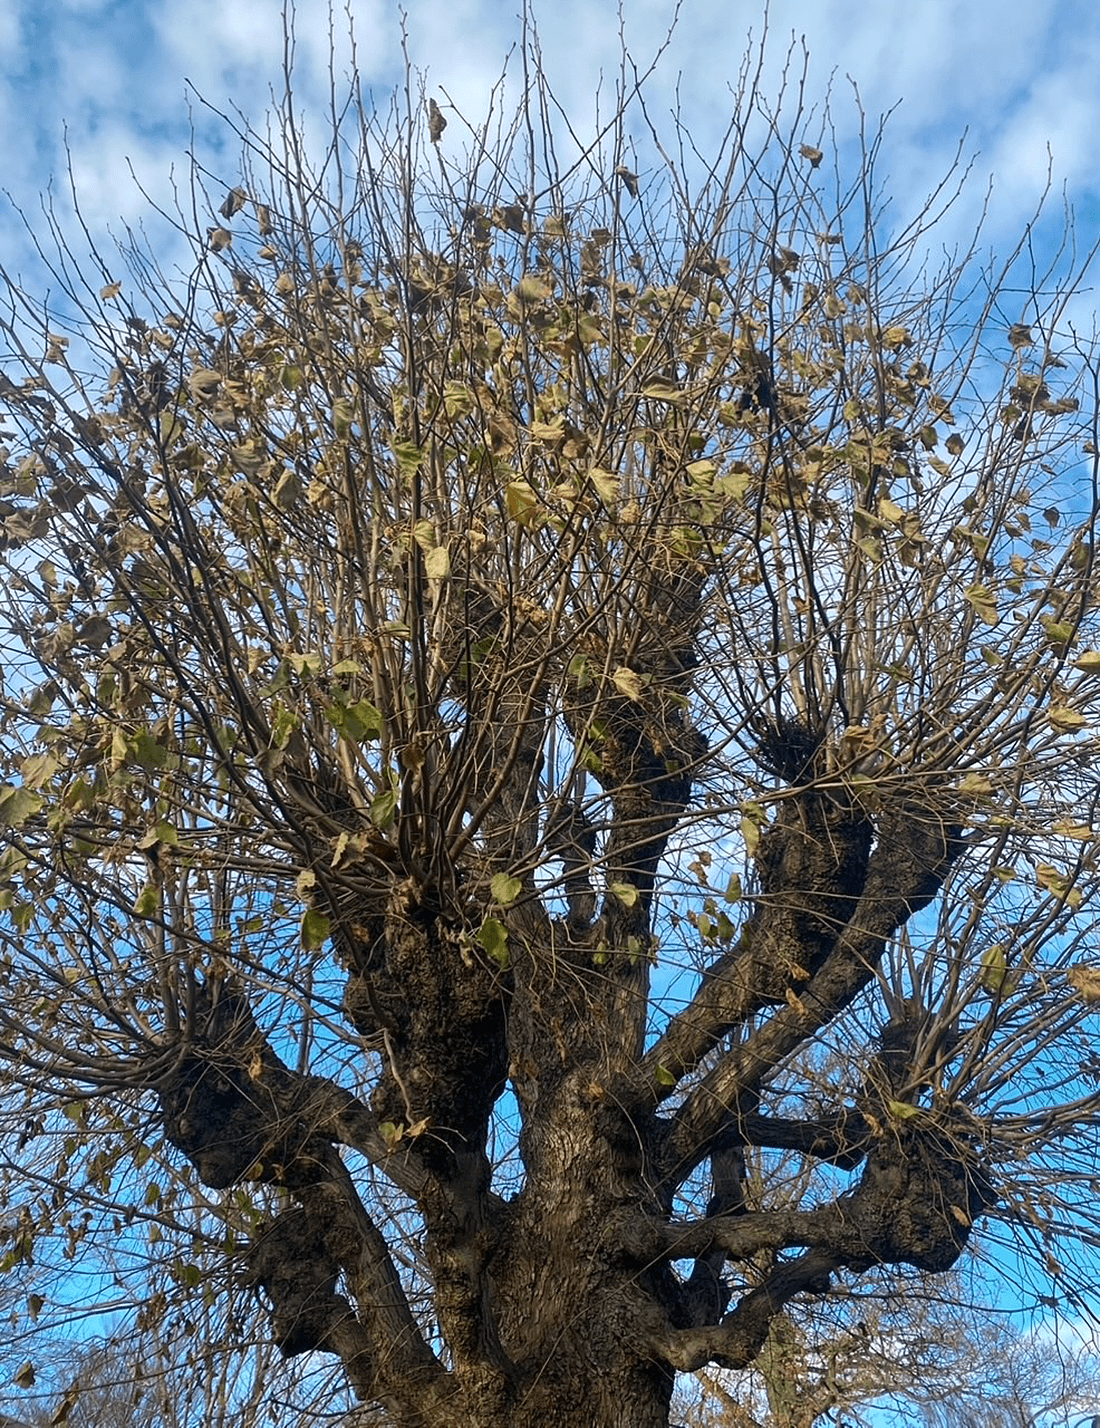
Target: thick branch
812 865
914 852
738 1339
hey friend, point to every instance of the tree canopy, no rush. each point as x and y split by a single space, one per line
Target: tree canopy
548 757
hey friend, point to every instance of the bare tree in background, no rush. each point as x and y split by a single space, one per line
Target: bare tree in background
543 665
935 1357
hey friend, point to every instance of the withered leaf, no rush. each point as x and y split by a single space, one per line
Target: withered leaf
629 180
235 200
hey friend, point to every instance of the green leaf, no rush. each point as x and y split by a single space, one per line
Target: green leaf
505 888
17 804
984 603
902 1110
627 893
391 1133
315 929
522 502
1058 632
283 725
148 900
38 769
994 968
409 457
733 889
358 722
383 809
664 1077
493 936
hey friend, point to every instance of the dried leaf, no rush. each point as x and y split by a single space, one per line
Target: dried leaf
628 682
437 563
235 200
628 179
1085 981
436 122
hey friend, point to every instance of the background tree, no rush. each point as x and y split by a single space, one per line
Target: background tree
538 665
936 1356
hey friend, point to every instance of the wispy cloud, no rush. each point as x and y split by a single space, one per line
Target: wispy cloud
116 81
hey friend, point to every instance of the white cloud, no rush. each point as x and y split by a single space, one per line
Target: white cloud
1019 76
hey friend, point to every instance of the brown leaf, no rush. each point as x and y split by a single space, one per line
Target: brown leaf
629 179
436 122
235 200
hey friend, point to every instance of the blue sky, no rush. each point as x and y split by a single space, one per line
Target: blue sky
113 75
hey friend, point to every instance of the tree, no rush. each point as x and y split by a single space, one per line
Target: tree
935 1357
526 677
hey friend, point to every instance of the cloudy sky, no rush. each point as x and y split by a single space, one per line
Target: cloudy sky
116 80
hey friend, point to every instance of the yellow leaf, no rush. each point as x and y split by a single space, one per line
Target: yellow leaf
437 563
522 502
532 289
1085 981
606 484
627 682
1088 662
505 888
994 967
205 382
1065 719
627 893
